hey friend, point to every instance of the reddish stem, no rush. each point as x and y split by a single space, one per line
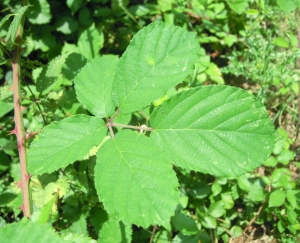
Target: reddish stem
19 127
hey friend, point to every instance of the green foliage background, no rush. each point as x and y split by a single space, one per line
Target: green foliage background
248 44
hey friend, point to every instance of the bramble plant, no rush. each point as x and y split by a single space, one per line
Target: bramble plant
125 145
220 130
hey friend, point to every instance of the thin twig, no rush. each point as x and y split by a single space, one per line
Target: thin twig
141 128
116 114
38 106
254 218
109 125
153 233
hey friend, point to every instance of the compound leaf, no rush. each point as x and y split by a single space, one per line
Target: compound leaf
158 57
93 85
135 181
63 142
219 130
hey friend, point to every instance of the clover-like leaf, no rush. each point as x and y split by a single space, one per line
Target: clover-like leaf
158 57
62 143
219 130
135 181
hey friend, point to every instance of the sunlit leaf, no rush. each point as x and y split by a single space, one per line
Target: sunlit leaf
220 130
158 57
63 142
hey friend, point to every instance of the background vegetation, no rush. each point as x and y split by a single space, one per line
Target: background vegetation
244 43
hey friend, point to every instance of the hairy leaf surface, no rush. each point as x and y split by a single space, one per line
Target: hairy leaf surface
13 28
158 57
219 130
135 181
93 85
63 142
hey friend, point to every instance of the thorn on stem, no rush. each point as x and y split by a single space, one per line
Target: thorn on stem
19 184
14 131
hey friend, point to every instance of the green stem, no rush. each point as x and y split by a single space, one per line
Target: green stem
18 118
142 128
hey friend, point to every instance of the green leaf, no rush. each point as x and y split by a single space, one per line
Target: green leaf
216 188
244 183
130 178
74 5
48 77
67 25
5 108
43 215
277 198
28 232
90 42
285 157
4 19
77 238
238 6
114 231
181 238
93 85
63 142
185 224
216 209
13 28
220 130
287 6
257 189
227 200
39 12
291 197
158 57
281 42
209 222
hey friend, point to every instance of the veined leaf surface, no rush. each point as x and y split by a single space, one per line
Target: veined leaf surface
63 142
29 231
135 181
49 76
93 85
158 57
219 130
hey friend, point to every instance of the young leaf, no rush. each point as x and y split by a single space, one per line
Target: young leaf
135 181
63 142
50 73
277 198
219 130
158 57
93 85
13 28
